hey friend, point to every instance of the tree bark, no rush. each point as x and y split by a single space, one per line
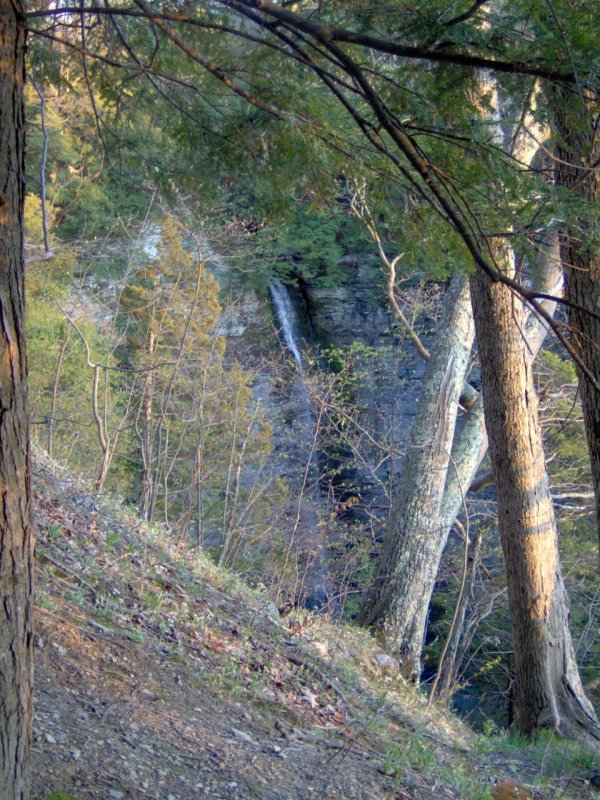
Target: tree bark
398 600
548 690
577 121
414 587
443 501
16 534
471 443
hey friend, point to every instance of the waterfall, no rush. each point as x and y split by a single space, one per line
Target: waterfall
286 316
311 509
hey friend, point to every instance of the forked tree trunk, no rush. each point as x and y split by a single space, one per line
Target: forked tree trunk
432 493
16 535
577 120
440 504
399 596
548 690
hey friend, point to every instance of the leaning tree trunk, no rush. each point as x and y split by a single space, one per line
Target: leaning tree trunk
425 510
436 479
16 536
399 596
577 120
548 690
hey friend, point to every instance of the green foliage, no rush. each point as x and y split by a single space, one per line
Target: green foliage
305 244
169 299
60 379
418 757
53 531
185 437
33 220
545 751
56 794
199 434
87 191
309 247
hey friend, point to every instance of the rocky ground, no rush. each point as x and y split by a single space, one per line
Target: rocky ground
159 676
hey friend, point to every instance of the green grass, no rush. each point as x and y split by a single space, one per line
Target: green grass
551 755
415 758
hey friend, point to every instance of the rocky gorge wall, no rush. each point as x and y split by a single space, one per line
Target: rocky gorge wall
353 319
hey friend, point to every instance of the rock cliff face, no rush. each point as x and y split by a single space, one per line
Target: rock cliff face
356 311
359 314
339 317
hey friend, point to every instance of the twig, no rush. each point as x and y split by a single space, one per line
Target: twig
79 627
300 662
66 569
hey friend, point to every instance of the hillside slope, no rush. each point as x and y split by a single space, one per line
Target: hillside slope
159 676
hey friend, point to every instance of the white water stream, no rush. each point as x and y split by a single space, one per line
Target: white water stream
310 508
313 592
286 316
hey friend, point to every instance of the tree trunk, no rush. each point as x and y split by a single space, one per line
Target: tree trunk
471 442
577 119
468 450
548 691
146 436
399 597
16 534
424 529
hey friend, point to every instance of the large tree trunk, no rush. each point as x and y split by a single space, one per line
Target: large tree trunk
398 600
432 492
471 443
577 121
548 691
408 540
16 536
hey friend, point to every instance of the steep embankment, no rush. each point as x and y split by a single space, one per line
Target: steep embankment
159 676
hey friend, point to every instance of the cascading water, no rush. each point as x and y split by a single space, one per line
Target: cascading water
286 316
314 594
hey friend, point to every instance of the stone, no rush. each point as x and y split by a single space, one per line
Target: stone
270 611
387 665
245 737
